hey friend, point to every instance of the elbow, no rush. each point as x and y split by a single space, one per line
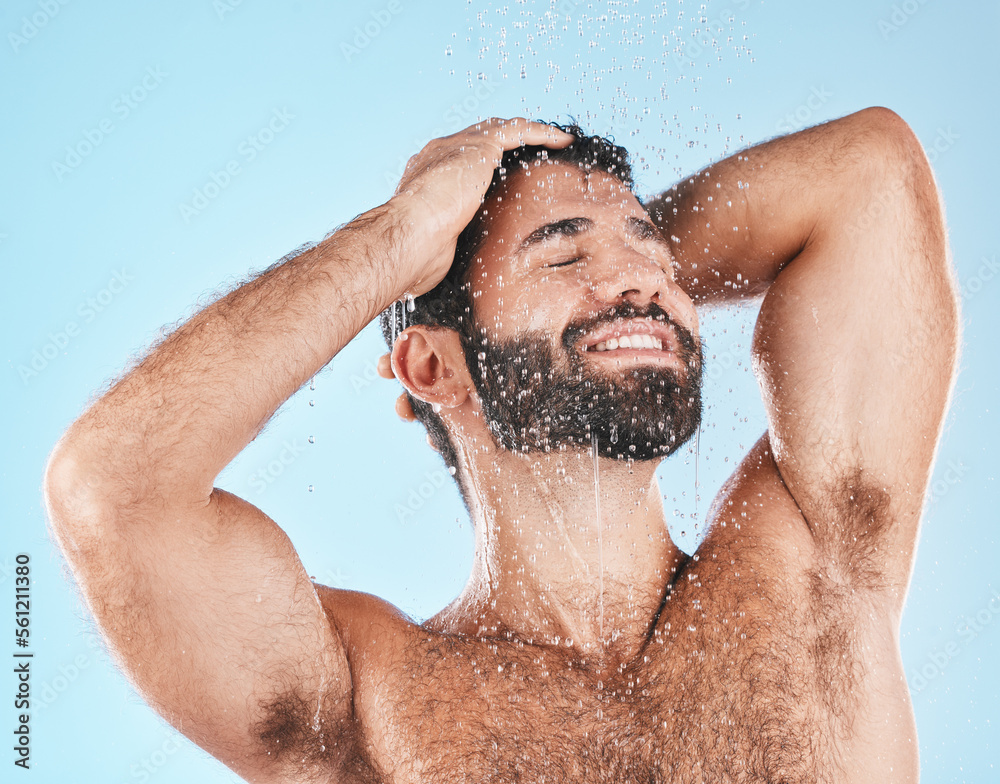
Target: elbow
907 175
72 491
897 173
888 128
61 484
894 144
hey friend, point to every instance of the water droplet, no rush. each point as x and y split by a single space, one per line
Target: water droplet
311 488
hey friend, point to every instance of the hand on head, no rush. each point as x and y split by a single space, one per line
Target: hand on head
441 190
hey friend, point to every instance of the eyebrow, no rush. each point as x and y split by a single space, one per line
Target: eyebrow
644 230
570 227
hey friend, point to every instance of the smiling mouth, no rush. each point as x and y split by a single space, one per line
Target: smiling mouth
627 342
640 337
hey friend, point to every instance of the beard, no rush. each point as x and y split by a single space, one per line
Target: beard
536 398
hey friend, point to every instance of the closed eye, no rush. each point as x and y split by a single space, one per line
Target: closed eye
574 260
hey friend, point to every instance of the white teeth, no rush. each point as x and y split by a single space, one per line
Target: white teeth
629 341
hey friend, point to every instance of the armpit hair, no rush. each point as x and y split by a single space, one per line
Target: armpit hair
859 515
320 745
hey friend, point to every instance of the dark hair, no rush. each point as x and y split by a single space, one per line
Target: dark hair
449 304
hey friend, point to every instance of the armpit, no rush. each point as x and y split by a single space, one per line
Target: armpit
852 525
309 739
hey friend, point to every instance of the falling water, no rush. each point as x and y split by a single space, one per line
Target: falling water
697 458
600 538
407 304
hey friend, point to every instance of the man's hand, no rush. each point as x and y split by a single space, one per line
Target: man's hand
403 407
444 184
441 190
186 580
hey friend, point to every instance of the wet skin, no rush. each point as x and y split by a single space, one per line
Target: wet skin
586 646
755 649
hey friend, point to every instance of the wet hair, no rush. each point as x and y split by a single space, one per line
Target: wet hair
450 303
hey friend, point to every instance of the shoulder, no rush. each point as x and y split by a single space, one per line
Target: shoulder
377 636
362 619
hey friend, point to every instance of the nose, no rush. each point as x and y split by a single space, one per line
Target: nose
620 273
623 273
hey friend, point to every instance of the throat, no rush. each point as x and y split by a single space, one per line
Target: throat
571 550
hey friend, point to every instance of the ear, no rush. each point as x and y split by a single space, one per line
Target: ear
430 363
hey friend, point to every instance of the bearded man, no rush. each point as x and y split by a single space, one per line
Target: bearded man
552 351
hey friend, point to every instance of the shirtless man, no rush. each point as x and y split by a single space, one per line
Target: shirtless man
586 646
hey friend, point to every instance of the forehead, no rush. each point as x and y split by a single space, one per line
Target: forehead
552 191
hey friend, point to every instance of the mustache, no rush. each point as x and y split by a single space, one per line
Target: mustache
691 347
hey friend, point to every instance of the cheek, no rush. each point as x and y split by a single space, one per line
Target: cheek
690 316
683 309
545 305
491 298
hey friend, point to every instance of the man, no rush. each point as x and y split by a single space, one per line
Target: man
586 646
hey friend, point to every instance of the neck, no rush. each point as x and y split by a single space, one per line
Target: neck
568 552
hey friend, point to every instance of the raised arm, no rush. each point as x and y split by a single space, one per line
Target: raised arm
841 228
200 595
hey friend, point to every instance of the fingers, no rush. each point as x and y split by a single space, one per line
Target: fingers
519 131
404 409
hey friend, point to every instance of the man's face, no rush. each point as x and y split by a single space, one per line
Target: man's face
585 334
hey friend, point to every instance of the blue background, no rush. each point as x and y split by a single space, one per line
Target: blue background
98 255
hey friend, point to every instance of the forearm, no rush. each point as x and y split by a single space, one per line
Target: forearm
178 418
735 225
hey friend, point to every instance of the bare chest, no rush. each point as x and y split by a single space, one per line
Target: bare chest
729 688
